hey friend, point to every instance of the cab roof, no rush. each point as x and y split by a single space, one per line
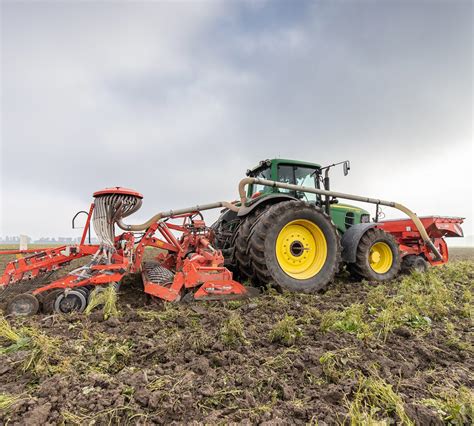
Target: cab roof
268 162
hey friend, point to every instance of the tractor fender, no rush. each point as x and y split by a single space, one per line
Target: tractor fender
267 199
350 240
227 215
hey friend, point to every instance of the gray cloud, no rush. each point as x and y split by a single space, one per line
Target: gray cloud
178 99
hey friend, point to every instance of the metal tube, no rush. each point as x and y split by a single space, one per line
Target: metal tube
161 215
271 183
398 206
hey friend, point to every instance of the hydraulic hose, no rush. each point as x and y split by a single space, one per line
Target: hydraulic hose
421 229
161 215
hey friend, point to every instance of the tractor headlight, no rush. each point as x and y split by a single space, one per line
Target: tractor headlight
364 218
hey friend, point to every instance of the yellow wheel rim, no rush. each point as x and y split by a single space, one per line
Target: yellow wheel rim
301 249
381 257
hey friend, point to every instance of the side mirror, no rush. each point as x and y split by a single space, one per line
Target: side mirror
346 166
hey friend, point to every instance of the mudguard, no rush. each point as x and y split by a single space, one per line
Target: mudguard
350 240
226 216
270 199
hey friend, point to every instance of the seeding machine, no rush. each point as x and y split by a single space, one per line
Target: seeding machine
288 230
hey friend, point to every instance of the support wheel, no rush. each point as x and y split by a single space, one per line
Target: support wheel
412 263
378 256
295 246
23 305
72 301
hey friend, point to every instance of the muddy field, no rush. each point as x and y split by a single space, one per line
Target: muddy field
359 353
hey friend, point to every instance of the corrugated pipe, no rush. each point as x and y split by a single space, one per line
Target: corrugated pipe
161 215
421 229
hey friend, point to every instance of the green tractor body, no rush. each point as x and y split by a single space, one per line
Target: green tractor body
298 240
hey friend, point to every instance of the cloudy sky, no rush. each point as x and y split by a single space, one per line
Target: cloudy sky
178 99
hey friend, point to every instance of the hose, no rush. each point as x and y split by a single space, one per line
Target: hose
421 229
108 209
161 215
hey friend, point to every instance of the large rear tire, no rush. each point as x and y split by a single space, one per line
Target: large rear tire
295 246
377 257
224 230
243 260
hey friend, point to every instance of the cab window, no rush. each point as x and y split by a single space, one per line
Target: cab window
262 174
286 174
303 176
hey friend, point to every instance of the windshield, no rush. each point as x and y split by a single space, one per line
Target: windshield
296 175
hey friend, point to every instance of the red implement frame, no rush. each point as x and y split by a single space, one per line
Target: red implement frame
197 263
410 241
190 255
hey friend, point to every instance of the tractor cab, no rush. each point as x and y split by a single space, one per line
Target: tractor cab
309 175
286 171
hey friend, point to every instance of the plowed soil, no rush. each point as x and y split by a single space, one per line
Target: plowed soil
277 358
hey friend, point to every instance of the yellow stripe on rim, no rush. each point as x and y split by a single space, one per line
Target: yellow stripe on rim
380 257
301 249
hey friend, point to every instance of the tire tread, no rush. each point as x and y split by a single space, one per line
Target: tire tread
259 232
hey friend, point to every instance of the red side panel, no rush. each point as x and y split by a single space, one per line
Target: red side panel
436 226
410 241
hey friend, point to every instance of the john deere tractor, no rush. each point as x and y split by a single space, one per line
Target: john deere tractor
299 240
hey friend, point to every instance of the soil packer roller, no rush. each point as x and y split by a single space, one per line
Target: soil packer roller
288 229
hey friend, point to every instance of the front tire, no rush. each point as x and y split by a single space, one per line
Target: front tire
378 256
295 246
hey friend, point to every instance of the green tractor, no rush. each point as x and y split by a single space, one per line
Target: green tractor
298 240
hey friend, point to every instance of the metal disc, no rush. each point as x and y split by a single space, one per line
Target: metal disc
49 299
72 301
84 291
23 305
